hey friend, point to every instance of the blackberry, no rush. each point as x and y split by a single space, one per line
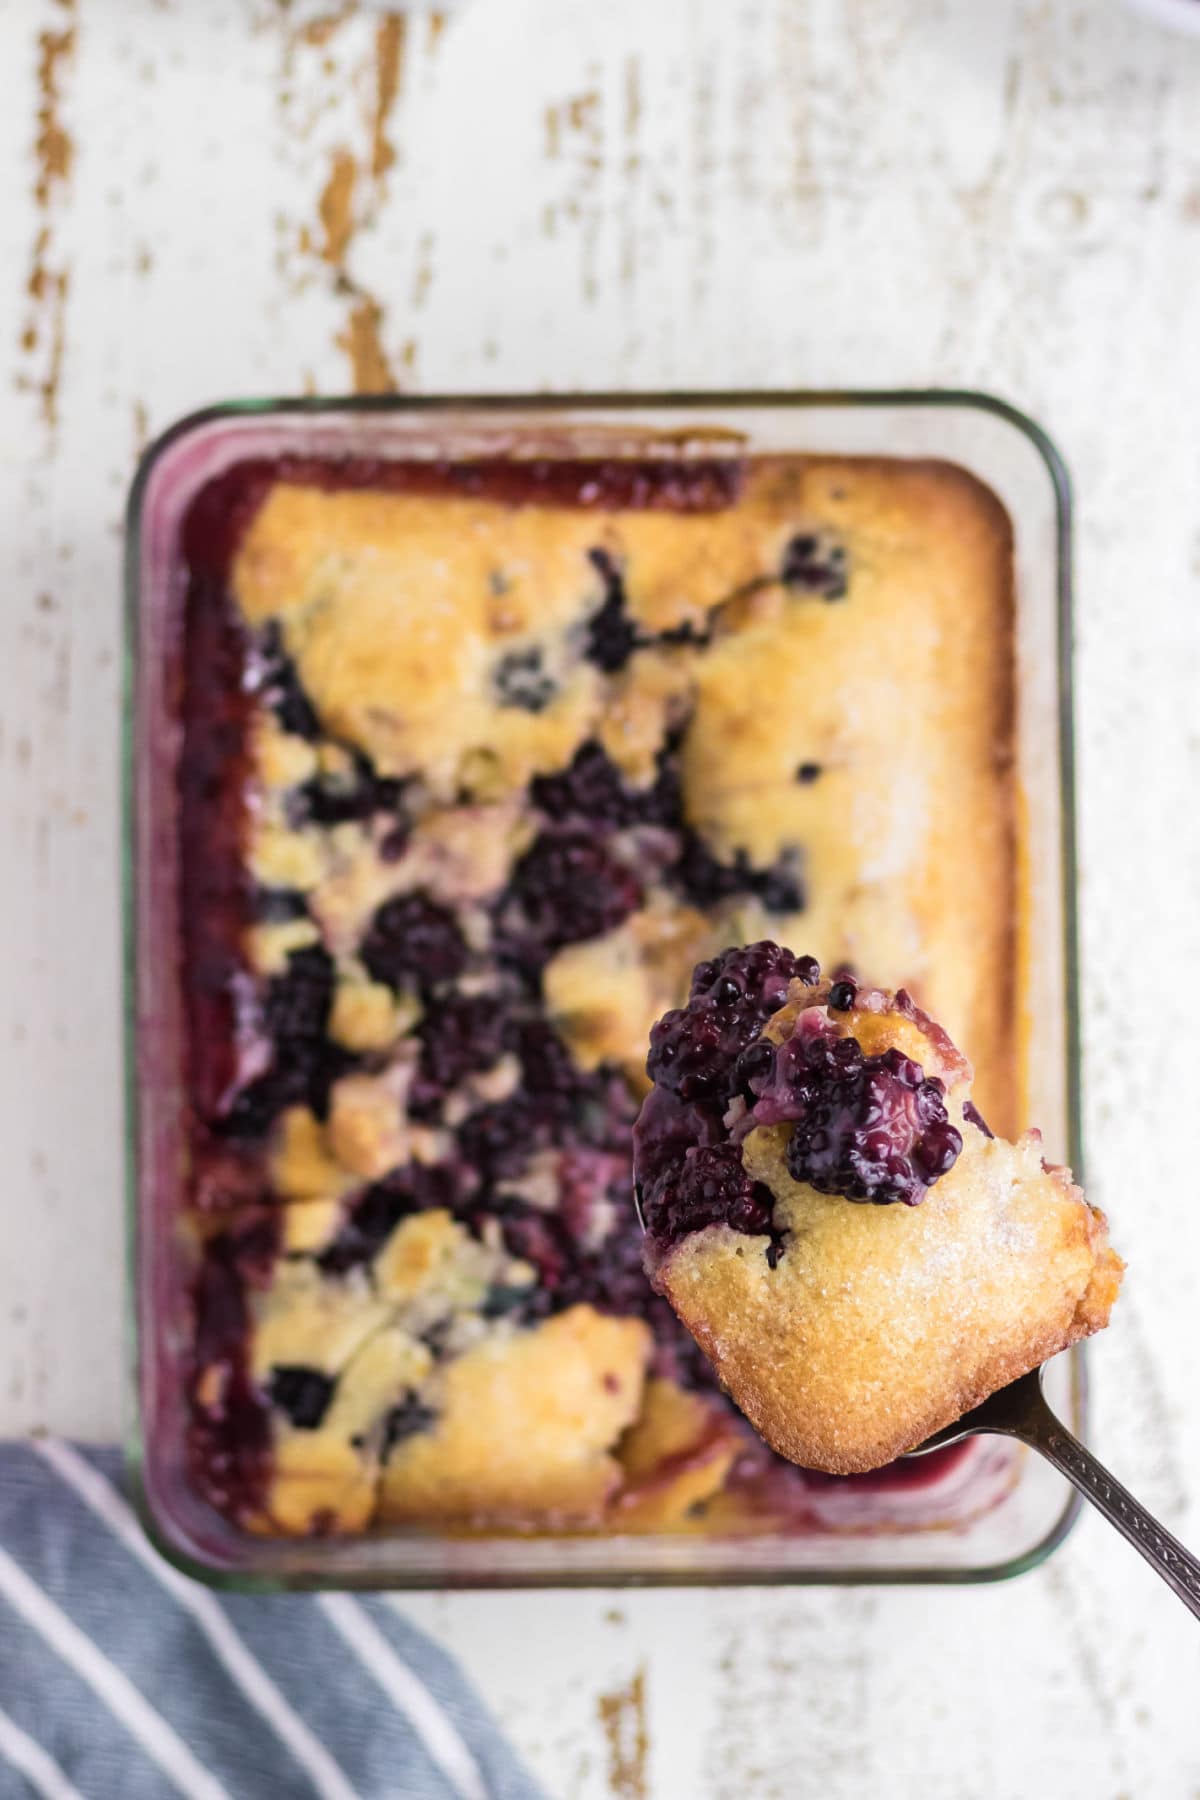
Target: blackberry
667 1127
281 687
411 1416
706 881
753 1069
521 681
549 1073
461 1035
871 1128
497 1141
276 906
571 888
815 563
694 1049
592 791
303 1394
296 1008
611 634
416 938
357 795
709 1186
367 1228
780 888
305 1062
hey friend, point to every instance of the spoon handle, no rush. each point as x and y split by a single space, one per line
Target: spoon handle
1180 1570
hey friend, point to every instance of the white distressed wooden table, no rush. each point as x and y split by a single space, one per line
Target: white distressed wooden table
204 198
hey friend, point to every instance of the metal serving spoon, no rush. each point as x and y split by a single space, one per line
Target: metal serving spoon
1022 1411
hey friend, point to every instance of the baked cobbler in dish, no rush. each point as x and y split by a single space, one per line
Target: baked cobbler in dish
850 1333
477 762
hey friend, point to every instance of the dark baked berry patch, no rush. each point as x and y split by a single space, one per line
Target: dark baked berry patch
611 634
816 563
303 1394
297 1005
569 887
609 1276
520 680
592 792
366 1229
460 1036
414 939
406 1420
352 794
304 1061
281 687
780 887
275 906
503 1298
705 881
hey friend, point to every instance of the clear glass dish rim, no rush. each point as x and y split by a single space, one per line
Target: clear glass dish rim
690 400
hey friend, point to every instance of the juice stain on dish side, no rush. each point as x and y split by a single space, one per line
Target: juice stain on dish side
622 1715
44 333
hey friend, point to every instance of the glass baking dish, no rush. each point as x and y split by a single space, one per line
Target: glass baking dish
996 1512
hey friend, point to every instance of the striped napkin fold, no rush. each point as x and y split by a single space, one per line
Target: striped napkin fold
121 1679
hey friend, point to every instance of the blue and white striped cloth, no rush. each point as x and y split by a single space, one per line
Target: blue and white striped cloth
120 1679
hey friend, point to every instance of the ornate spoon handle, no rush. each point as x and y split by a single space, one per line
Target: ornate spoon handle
1036 1425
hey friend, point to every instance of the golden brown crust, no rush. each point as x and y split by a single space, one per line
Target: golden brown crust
903 696
880 1324
674 1459
518 1425
527 1427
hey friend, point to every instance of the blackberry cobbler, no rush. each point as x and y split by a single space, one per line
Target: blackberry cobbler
478 761
850 1333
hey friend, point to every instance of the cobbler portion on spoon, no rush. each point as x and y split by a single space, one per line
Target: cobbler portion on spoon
859 1257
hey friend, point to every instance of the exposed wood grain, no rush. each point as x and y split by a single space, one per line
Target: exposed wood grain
622 1714
390 39
335 208
44 333
556 194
